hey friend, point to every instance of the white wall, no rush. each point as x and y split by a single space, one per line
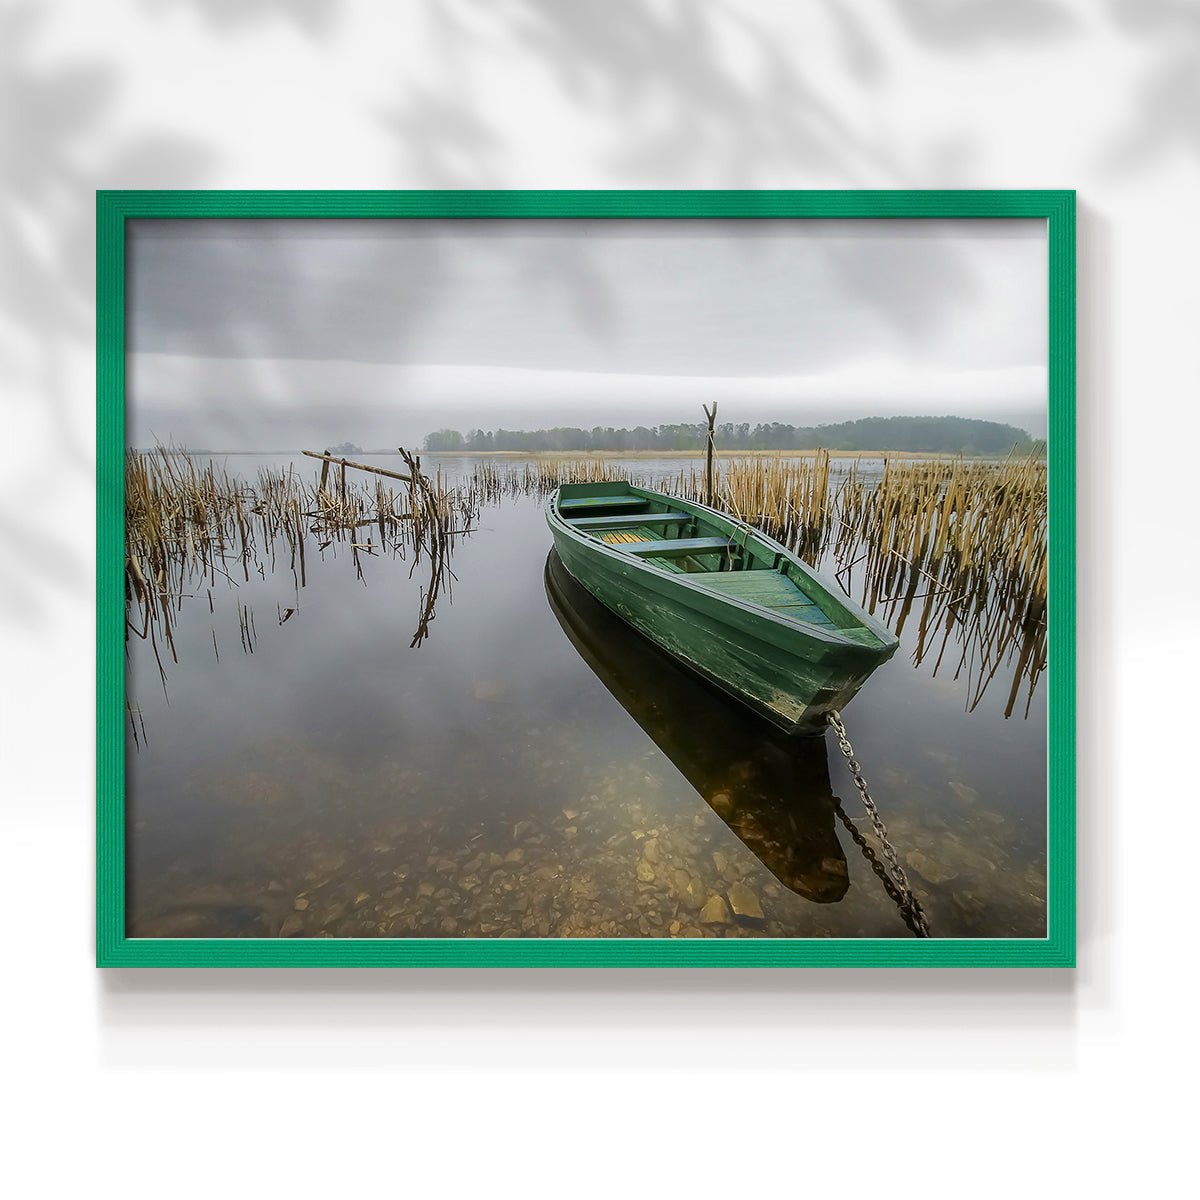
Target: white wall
592 1083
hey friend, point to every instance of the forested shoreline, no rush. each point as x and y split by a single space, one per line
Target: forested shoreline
941 435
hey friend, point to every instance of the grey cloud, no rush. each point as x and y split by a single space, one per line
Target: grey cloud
685 297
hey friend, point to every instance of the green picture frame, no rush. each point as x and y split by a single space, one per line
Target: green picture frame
115 949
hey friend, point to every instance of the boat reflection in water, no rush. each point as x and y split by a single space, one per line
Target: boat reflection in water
771 790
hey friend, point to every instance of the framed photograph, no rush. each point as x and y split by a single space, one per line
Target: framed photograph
578 579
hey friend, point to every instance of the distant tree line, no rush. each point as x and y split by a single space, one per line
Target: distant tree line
935 435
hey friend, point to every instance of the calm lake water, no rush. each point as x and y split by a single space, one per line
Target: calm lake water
534 768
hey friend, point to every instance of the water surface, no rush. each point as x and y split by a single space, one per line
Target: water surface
534 768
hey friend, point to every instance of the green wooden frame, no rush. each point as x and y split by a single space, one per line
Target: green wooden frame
115 949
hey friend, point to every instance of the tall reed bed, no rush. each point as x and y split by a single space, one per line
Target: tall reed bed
965 546
986 520
491 480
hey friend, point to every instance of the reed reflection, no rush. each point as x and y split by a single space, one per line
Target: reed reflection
192 530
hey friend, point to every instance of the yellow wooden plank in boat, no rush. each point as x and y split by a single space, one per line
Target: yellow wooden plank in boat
623 535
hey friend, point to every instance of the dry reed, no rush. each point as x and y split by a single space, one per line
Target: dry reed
186 523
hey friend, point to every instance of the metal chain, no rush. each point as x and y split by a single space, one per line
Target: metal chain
910 906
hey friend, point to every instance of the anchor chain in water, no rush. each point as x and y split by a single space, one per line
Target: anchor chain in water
897 885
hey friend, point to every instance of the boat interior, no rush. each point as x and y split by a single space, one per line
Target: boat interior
739 566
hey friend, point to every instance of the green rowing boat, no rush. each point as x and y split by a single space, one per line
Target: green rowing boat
729 602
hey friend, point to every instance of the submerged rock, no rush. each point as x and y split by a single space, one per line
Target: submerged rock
716 912
721 802
328 862
745 905
968 795
687 888
929 868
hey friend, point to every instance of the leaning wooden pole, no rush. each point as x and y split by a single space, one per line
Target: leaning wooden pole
712 417
344 463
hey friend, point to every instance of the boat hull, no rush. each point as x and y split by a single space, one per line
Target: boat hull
790 673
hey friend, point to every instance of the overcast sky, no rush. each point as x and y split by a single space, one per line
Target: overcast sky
289 334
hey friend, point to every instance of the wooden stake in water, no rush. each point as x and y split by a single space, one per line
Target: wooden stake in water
712 416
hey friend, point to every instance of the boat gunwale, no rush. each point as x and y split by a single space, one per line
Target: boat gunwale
887 641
